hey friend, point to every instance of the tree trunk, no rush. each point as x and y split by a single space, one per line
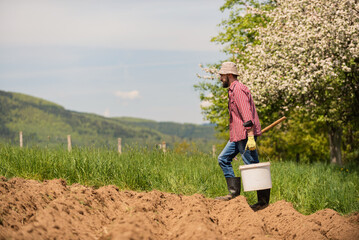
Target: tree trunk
335 142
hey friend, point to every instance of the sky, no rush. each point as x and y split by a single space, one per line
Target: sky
114 58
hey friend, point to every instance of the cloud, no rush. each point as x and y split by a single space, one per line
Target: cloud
107 112
128 95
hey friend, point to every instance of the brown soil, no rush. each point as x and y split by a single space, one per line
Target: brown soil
53 210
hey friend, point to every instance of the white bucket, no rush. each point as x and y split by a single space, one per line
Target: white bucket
256 176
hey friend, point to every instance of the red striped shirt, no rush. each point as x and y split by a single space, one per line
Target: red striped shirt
241 109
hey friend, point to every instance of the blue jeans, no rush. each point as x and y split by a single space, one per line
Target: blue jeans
230 151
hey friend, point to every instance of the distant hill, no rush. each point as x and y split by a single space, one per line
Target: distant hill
47 124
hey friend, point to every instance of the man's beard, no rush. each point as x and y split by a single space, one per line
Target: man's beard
226 82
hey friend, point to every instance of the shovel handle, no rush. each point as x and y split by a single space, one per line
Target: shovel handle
273 124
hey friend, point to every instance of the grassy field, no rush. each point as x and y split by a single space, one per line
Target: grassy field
308 187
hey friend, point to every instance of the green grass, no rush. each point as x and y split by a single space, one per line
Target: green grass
309 187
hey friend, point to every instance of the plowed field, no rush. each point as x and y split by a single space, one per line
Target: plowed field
54 210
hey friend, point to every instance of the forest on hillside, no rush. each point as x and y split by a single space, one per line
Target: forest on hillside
44 123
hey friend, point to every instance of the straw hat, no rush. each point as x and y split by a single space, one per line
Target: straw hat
228 68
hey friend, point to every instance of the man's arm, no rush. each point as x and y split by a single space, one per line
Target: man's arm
242 101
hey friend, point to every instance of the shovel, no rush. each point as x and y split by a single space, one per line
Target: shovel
274 124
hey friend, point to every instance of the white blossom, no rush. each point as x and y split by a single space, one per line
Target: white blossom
306 45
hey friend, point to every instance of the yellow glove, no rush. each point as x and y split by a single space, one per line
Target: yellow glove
251 143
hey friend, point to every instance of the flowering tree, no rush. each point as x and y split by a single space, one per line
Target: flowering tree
307 61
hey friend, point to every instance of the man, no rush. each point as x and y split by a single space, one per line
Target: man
244 127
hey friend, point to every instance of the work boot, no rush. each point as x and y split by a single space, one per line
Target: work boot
263 199
234 188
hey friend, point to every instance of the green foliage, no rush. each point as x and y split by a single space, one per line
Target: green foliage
46 124
310 187
296 139
239 28
217 112
305 140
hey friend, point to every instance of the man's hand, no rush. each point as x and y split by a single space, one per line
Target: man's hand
251 143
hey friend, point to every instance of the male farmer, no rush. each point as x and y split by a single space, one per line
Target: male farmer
244 127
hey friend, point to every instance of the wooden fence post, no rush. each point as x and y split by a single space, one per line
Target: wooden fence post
119 145
69 143
214 150
20 136
164 146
